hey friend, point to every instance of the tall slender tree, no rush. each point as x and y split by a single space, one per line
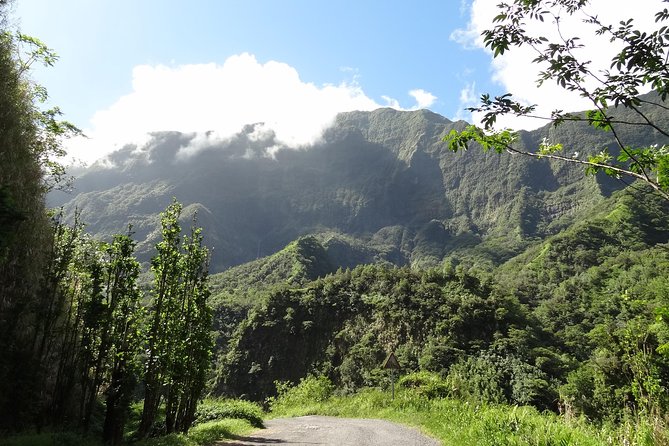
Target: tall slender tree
122 335
178 316
192 351
24 231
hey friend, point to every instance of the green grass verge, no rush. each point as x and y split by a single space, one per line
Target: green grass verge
203 434
459 423
220 408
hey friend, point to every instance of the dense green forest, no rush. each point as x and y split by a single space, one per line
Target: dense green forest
570 325
537 286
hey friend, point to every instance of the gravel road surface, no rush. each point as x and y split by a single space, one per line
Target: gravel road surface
332 431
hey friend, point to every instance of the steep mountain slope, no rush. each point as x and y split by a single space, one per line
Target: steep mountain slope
568 323
383 177
302 261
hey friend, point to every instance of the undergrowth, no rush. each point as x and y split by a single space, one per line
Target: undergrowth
216 419
203 434
462 423
218 409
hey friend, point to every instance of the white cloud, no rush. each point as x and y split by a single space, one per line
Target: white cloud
463 7
468 98
391 102
424 99
516 72
222 99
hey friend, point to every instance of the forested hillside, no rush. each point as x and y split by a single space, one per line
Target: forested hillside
517 280
568 325
383 177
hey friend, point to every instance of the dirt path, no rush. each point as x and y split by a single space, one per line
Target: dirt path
332 431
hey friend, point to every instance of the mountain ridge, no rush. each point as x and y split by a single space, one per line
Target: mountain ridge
384 176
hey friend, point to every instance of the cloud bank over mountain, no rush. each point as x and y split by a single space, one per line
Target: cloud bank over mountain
222 99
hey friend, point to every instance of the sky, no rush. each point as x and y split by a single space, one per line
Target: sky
128 67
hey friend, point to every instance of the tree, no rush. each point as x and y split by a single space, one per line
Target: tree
641 64
179 339
122 334
33 306
165 267
193 345
26 234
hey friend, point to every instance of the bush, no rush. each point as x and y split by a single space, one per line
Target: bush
310 390
588 393
500 379
204 434
477 379
219 409
428 384
213 431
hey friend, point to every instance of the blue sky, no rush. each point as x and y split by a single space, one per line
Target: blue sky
131 66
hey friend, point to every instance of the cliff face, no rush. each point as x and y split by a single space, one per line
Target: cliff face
383 177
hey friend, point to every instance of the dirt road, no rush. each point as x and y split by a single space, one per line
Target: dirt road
331 431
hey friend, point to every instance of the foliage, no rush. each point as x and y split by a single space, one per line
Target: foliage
639 64
218 409
455 422
179 340
499 379
571 325
49 130
24 232
204 434
121 340
51 439
424 383
344 325
310 390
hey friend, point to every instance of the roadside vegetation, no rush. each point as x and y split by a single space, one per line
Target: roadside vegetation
420 402
216 419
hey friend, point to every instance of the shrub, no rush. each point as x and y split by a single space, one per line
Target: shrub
476 379
500 379
213 431
310 390
428 384
218 409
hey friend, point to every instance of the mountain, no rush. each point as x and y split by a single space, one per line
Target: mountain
562 321
383 178
548 283
304 260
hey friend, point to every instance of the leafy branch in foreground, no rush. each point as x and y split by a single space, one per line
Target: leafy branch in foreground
641 64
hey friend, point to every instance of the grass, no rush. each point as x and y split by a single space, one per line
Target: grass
216 419
460 423
451 421
218 408
203 434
